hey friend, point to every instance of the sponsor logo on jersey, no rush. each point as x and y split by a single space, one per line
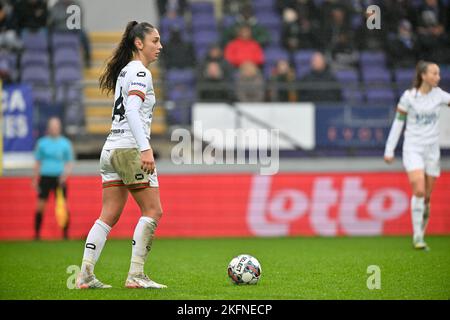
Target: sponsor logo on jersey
426 118
139 84
139 176
141 74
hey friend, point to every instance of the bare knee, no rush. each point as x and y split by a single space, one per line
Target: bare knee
109 220
155 214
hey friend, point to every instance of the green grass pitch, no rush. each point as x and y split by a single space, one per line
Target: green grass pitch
292 268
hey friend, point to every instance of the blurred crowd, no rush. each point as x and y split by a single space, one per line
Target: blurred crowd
335 32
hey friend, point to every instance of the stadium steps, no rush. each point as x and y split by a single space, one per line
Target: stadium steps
97 104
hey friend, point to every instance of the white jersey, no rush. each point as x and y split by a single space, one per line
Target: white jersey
134 79
422 121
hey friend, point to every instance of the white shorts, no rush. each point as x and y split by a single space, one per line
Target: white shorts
110 178
423 158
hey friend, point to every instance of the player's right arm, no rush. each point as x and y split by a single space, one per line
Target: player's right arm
394 134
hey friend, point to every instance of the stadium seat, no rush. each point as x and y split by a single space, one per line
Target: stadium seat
66 56
65 39
35 40
228 21
42 95
403 79
36 75
302 57
269 20
376 75
205 38
67 73
347 76
202 7
31 57
176 77
273 54
66 93
261 5
203 22
380 96
353 96
371 58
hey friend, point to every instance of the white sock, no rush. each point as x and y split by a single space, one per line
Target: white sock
417 211
142 243
94 245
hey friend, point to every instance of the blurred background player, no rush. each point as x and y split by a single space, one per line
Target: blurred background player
127 162
420 108
54 162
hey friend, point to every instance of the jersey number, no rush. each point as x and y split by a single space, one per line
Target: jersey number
119 109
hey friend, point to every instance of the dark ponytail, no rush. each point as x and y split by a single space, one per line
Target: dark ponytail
123 53
421 68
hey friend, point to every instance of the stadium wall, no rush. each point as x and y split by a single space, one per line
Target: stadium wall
241 205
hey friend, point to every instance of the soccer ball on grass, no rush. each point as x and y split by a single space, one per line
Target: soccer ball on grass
244 269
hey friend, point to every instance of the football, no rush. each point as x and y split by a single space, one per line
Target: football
244 269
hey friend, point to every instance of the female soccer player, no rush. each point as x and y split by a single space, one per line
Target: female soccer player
419 107
126 161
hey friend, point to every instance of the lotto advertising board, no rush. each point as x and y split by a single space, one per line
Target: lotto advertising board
242 205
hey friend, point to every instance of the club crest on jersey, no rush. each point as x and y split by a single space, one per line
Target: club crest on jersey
141 74
122 73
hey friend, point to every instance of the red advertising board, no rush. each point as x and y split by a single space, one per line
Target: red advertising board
241 205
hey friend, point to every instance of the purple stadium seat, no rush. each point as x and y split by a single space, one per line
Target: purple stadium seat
380 95
42 95
180 76
303 57
353 96
36 75
275 37
204 7
269 20
167 24
67 73
200 51
205 37
302 69
347 76
228 21
35 40
66 56
376 74
32 57
371 58
65 39
266 4
204 22
68 93
273 54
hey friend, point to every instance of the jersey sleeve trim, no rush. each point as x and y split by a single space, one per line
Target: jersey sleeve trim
138 93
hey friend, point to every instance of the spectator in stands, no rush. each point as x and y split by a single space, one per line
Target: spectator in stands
215 54
213 85
31 14
9 39
402 48
343 52
282 76
178 6
57 22
244 49
177 52
304 8
336 28
54 158
234 7
246 17
250 83
434 40
298 32
395 11
320 84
